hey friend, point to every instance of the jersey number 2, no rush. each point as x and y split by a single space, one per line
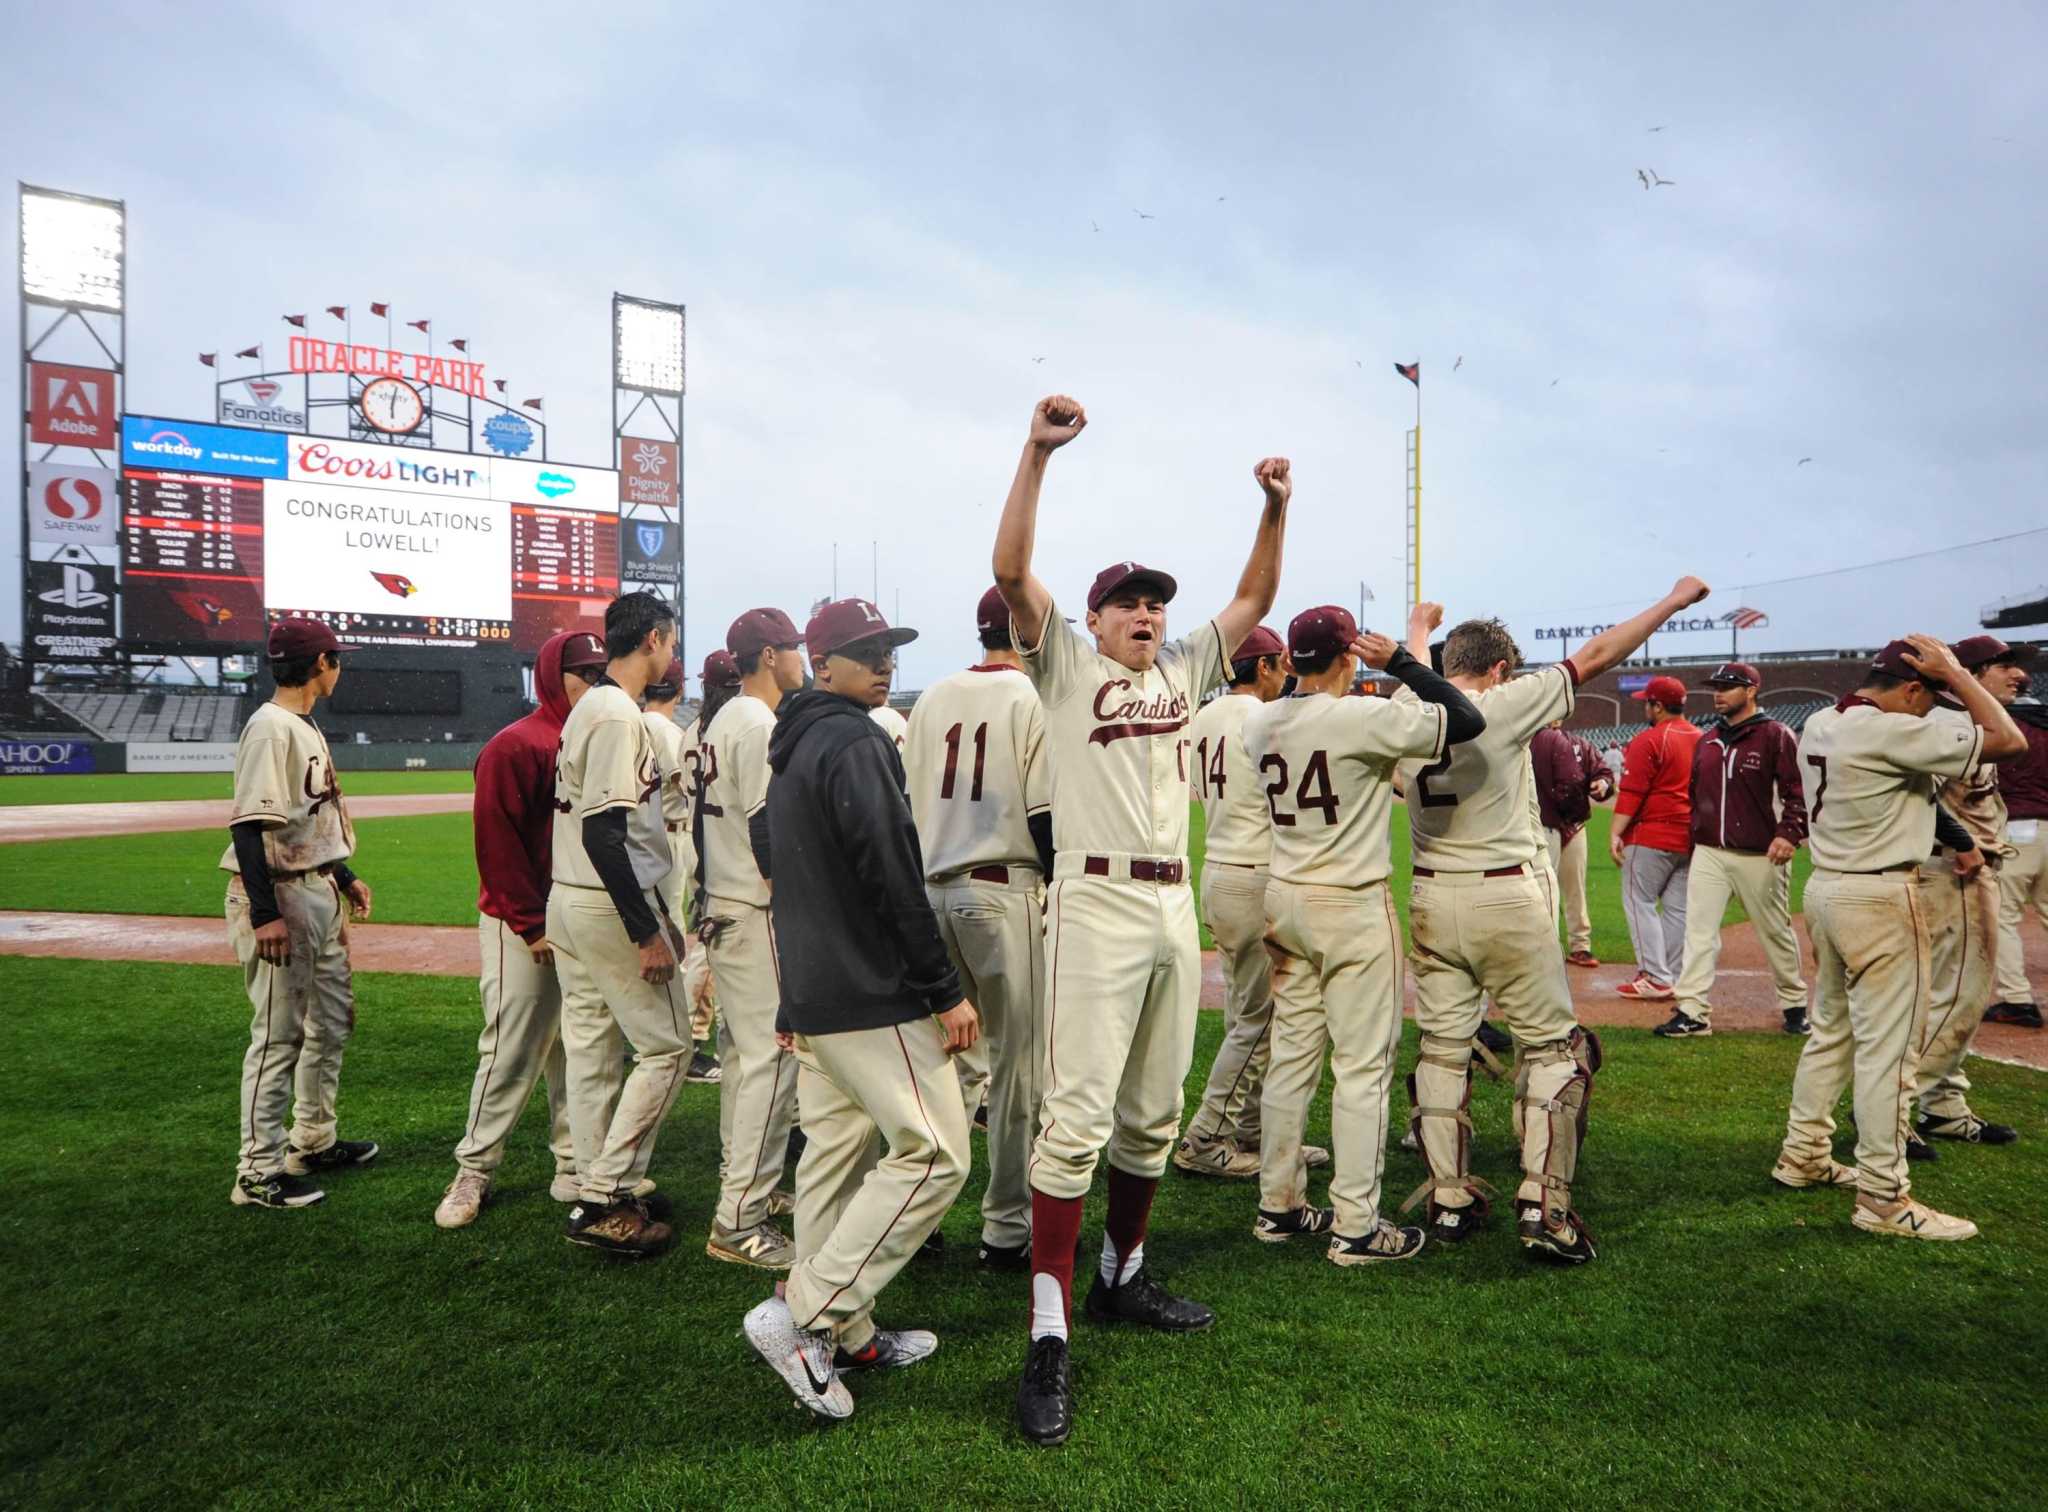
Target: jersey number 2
704 761
1438 768
946 783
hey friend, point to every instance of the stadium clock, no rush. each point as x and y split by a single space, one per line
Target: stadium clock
392 405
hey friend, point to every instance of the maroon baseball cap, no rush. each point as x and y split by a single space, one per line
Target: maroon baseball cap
1735 675
758 629
303 637
721 671
675 676
583 650
1892 661
1324 631
1982 650
1261 642
1110 579
993 612
1668 691
844 621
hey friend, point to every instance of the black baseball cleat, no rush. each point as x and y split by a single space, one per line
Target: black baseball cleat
1570 1243
1969 1129
339 1156
1918 1149
1494 1039
997 1257
1278 1228
797 1140
1143 1300
1796 1021
1045 1394
934 1246
279 1191
704 1069
1682 1025
981 1119
1454 1225
620 1227
2021 1015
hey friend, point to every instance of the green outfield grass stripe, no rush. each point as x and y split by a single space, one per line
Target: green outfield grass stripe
158 787
1737 1345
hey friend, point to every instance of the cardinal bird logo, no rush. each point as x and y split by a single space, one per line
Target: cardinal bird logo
395 583
206 611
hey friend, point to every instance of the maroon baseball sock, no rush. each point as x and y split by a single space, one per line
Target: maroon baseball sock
1130 1209
1055 1230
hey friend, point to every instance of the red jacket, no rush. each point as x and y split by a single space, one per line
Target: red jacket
2024 779
1656 781
514 808
1563 782
1734 769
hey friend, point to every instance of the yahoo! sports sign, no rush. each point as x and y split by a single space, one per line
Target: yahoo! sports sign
27 758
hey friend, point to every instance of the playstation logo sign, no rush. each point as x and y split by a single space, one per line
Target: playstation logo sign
76 591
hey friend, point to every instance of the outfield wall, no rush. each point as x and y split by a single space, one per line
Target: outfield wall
57 757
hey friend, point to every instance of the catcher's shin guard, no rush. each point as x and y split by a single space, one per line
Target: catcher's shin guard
1553 1090
1440 1091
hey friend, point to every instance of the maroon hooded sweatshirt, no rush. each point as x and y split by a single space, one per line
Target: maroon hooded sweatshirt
513 813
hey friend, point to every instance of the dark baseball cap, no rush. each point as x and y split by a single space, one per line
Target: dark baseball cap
1892 661
583 650
721 671
1327 630
1668 691
1261 642
845 621
303 637
674 677
1735 675
758 629
1110 579
1983 650
993 612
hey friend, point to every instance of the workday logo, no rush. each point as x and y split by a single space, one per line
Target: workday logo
165 443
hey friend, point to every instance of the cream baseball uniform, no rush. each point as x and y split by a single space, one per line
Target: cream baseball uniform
1872 779
1326 766
977 770
1123 959
1237 841
1483 920
675 748
304 1009
896 726
757 1090
608 761
1962 931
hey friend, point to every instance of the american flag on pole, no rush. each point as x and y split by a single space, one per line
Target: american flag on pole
1745 619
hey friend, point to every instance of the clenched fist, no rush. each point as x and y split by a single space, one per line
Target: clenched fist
1056 421
1689 591
1275 477
1424 618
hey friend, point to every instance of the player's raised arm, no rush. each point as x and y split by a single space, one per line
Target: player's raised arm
1933 658
1055 422
1260 582
1614 643
1422 622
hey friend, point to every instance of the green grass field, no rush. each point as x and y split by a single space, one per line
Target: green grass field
1736 1344
138 787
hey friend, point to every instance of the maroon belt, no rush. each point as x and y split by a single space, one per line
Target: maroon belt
1169 872
1498 871
991 874
673 828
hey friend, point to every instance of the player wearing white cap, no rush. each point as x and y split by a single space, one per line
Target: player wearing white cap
289 895
1483 921
1326 762
1123 962
980 783
1876 765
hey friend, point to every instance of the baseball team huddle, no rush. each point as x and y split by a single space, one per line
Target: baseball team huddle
894 933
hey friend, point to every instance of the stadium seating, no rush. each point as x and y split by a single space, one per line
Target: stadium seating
153 715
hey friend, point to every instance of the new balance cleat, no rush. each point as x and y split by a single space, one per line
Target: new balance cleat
463 1200
1570 1242
1910 1220
339 1156
1824 1173
782 1203
1000 1257
1918 1149
763 1246
1204 1155
1583 958
803 1359
278 1191
1645 989
1969 1129
1454 1225
1315 1157
1278 1228
621 1227
1387 1241
704 1069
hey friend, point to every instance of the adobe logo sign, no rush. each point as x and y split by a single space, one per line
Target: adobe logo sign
71 406
74 505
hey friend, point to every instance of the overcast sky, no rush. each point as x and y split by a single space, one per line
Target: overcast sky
880 215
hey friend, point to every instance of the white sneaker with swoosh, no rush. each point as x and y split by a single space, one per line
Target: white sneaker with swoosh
803 1359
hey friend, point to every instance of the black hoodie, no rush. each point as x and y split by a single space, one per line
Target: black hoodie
855 936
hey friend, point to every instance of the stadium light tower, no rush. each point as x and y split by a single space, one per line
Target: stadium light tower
648 384
72 250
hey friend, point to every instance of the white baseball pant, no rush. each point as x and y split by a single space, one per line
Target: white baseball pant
521 1043
1653 898
1234 908
1765 891
757 1088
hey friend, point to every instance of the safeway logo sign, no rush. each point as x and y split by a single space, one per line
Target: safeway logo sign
72 406
74 505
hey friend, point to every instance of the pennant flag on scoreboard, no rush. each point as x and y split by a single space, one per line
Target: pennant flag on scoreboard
379 309
419 325
254 351
529 404
296 320
500 383
460 346
207 357
1412 371
339 312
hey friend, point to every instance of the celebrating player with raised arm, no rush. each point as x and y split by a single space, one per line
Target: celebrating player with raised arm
1123 960
1483 922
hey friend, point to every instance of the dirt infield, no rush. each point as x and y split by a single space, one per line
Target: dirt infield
75 821
1744 998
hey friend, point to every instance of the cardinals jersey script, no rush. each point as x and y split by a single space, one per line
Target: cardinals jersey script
1120 738
284 780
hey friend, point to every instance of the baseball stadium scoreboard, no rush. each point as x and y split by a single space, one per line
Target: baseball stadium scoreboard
225 527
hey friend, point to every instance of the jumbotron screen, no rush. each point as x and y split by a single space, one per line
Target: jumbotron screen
225 528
